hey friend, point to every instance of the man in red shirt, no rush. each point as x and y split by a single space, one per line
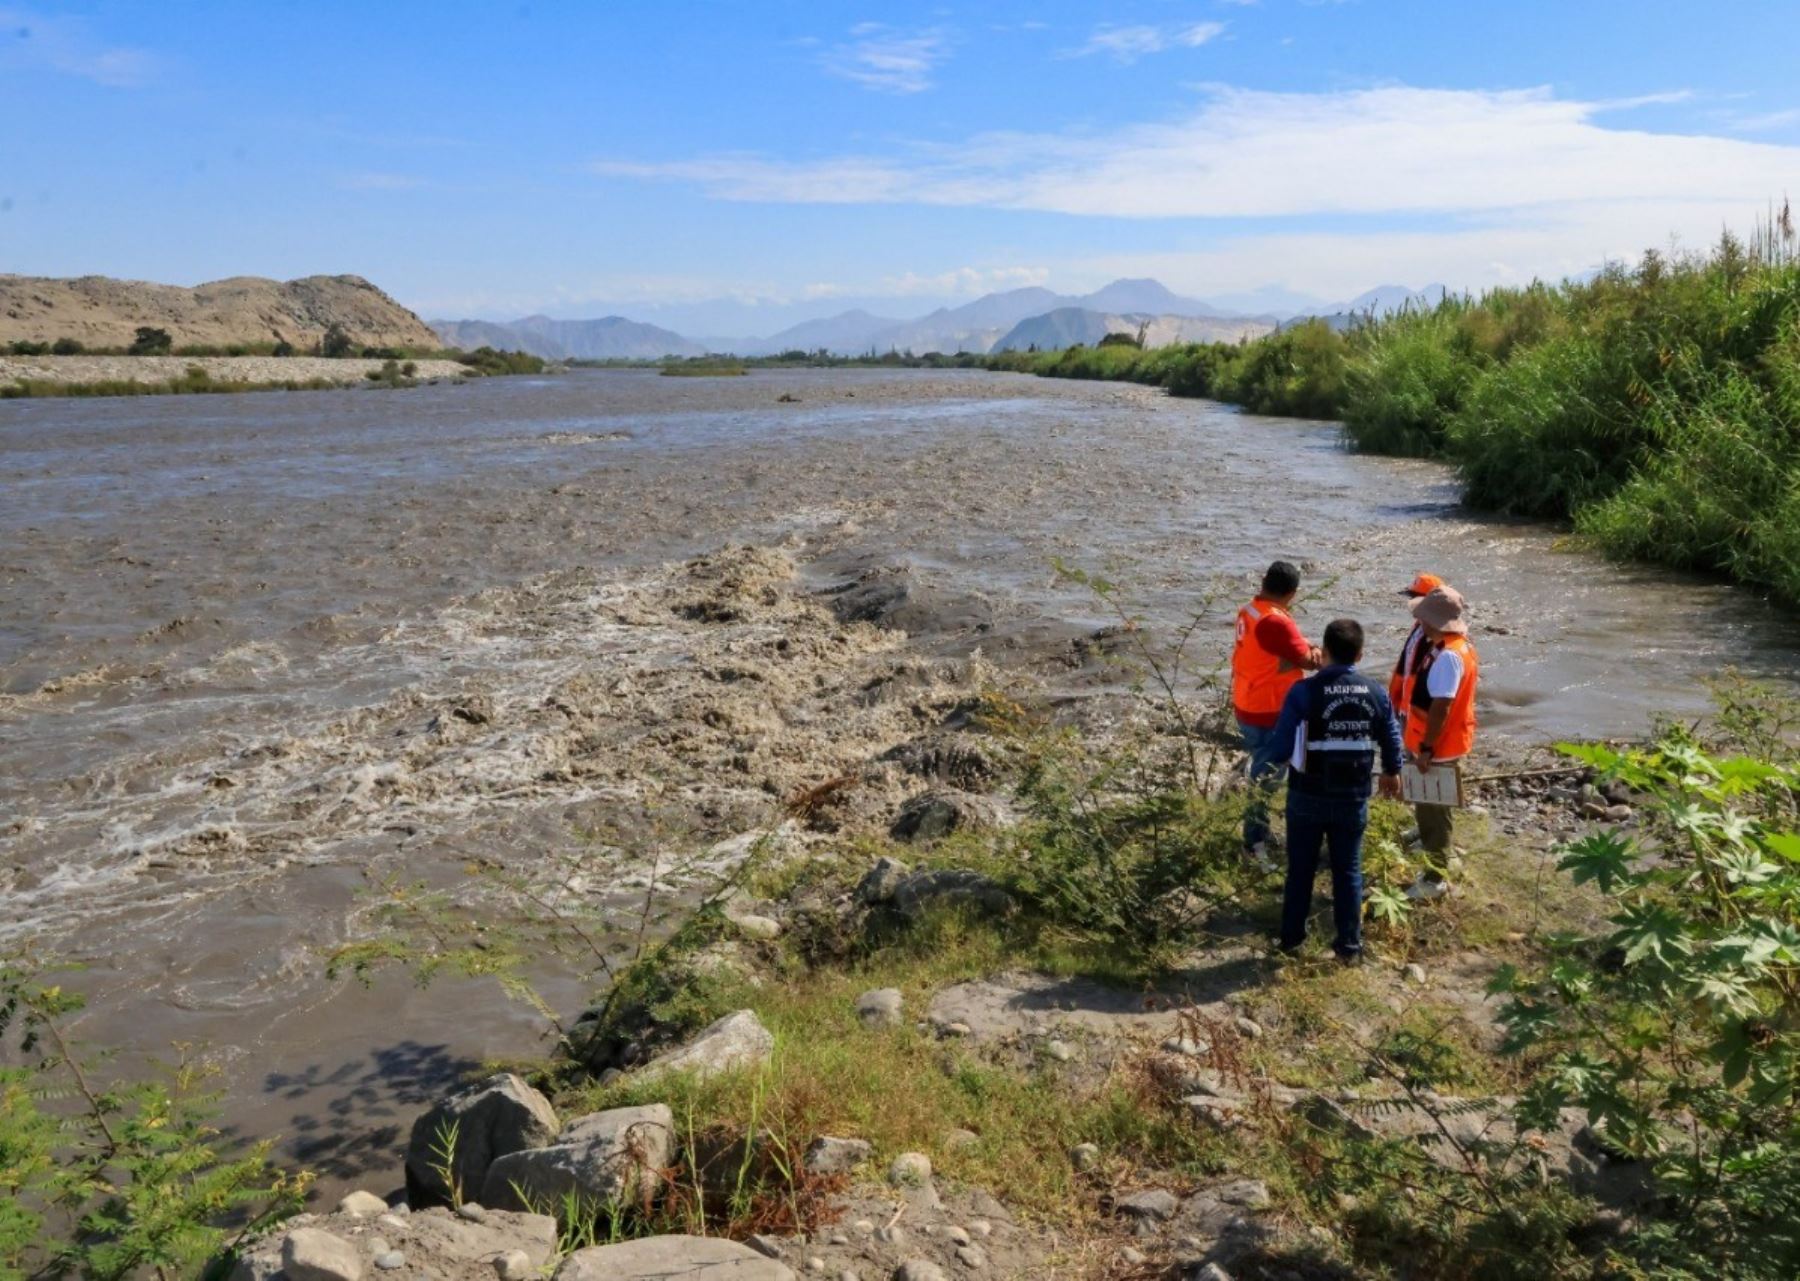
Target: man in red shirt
1269 658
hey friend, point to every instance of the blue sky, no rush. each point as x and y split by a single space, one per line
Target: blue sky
727 166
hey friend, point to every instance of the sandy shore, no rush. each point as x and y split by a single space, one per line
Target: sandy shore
229 369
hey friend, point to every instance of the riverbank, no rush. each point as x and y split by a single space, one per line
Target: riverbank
25 376
1653 407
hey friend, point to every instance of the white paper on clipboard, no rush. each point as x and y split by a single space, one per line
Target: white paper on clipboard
1440 785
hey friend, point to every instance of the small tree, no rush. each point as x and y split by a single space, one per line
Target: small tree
66 347
336 343
151 342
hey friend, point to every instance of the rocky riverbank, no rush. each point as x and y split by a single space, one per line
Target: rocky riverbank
892 1044
272 371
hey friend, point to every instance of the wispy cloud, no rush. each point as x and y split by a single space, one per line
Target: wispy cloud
889 61
1126 44
68 46
1246 154
1768 120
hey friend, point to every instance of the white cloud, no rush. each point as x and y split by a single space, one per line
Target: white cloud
880 58
1247 154
1126 44
1768 120
960 282
67 46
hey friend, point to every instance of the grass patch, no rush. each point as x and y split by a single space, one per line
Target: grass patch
705 369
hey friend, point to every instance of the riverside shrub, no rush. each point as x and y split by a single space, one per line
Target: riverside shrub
1657 407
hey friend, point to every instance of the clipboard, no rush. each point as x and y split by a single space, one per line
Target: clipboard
1439 785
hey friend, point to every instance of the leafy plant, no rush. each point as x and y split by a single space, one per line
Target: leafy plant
115 1180
1678 1031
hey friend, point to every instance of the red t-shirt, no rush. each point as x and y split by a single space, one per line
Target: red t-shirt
1280 636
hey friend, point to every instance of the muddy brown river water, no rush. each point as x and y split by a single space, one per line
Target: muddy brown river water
253 648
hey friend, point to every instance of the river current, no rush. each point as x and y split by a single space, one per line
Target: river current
251 646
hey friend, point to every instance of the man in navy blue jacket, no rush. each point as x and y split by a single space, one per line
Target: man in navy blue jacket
1333 726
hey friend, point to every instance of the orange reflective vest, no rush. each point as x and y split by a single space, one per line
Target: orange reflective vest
1458 734
1411 655
1259 682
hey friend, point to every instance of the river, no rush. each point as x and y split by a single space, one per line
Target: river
256 647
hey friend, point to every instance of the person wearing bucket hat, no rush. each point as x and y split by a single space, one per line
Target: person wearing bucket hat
1439 696
1423 584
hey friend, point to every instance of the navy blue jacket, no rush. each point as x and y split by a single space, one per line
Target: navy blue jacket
1345 720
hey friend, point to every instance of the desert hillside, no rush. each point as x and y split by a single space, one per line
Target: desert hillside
99 311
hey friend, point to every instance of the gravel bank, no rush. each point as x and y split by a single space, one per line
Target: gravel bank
228 369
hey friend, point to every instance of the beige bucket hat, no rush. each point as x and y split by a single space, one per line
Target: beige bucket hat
1442 608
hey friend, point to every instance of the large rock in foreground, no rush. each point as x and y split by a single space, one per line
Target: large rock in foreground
490 1119
608 1159
663 1258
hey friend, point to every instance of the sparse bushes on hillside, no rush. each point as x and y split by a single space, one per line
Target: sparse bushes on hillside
336 343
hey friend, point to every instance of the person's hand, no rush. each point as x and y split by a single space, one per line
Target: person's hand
1315 658
1389 786
1422 760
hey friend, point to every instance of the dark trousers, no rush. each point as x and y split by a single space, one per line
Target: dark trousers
1315 824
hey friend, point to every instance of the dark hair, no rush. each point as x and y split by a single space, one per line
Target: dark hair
1282 579
1343 640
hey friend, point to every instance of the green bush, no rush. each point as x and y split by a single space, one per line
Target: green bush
66 347
150 341
336 343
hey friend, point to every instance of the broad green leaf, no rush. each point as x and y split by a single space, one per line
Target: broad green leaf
1602 856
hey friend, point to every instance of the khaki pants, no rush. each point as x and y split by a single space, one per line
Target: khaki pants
1437 825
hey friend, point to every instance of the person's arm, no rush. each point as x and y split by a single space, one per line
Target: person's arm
1392 752
1280 635
1290 723
1434 725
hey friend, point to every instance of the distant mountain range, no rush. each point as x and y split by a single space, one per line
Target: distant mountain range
610 338
1011 320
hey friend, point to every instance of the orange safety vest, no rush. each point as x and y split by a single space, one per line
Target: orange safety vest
1258 681
1398 687
1458 734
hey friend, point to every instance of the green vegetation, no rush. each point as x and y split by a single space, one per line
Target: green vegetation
196 381
151 342
704 367
1657 406
485 360
336 343
110 1181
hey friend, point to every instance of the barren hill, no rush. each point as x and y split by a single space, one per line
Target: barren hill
100 311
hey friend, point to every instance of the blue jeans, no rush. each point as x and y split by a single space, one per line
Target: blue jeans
1265 776
1314 822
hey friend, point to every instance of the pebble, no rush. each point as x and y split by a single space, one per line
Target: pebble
847 1275
863 1227
919 1270
815 1264
895 1235
960 1138
1247 1027
910 1169
1061 1051
392 1222
472 1212
514 1265
972 1257
1618 813
1212 1272
378 1245
758 927
880 1007
312 1254
388 1260
1131 1256
957 1236
1414 972
981 1227
1084 1156
1185 1045
362 1204
837 1238
957 1029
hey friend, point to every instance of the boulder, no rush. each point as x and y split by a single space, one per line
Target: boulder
932 815
829 1155
362 1204
919 892
659 1258
608 1158
492 1118
879 882
738 1040
1155 1204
